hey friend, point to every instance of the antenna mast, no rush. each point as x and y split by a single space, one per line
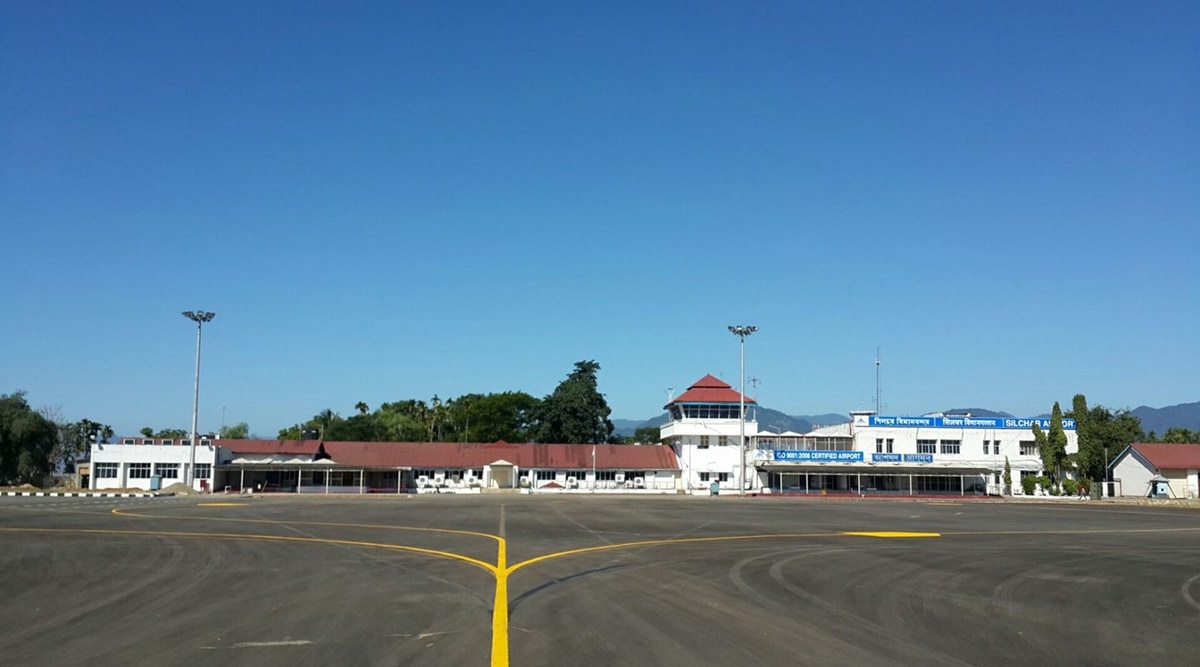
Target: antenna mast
878 406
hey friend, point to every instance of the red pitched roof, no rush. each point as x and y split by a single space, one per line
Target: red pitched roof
466 455
709 389
1169 456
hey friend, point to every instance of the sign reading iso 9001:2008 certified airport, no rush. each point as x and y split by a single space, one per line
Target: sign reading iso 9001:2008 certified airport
802 456
807 455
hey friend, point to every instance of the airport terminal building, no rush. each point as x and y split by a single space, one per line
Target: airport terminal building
953 454
937 453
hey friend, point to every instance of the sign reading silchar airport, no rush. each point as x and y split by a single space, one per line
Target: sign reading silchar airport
960 421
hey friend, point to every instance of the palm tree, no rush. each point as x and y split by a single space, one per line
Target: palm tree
362 408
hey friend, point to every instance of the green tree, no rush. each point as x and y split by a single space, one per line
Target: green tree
27 441
1007 477
1089 458
1180 435
576 413
238 431
147 432
362 408
503 416
74 440
646 434
1052 446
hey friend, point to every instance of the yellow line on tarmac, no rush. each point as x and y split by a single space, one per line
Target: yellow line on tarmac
255 537
500 607
650 543
891 533
374 526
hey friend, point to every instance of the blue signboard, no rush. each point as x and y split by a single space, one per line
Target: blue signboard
807 455
966 422
901 458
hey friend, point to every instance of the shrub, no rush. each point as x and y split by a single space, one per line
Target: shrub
1070 487
1028 484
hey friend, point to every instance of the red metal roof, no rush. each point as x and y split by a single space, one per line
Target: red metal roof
466 455
1169 456
709 389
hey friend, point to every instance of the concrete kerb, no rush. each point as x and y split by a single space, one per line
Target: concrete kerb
83 494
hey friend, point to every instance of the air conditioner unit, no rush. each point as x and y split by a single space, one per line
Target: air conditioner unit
639 482
620 477
423 481
572 482
439 478
524 481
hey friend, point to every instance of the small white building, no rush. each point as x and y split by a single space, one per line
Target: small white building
1157 469
150 464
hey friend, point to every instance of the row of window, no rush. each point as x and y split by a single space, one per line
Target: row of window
144 470
714 477
601 475
703 411
204 442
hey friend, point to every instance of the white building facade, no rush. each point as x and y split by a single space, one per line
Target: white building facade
928 454
150 466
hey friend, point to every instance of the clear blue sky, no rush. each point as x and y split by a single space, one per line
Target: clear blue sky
394 200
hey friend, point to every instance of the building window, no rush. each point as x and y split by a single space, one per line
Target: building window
1029 448
996 478
996 447
927 446
128 441
139 471
879 445
951 446
167 470
704 441
168 441
705 476
606 475
544 475
722 477
106 470
987 444
427 474
722 440
889 445
203 471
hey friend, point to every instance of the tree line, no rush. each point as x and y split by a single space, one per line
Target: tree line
574 413
35 443
1102 434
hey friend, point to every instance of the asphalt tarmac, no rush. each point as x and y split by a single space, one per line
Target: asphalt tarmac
538 580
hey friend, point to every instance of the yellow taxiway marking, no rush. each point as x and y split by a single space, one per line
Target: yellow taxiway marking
891 533
502 570
256 537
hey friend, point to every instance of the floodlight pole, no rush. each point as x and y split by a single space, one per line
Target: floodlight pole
741 331
199 317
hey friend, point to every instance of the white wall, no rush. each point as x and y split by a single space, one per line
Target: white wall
1134 477
124 455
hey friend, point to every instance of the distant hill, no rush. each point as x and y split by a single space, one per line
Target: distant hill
768 420
1184 415
980 412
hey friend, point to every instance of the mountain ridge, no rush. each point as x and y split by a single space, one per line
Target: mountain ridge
1157 420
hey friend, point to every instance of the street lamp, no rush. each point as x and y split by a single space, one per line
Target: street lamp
199 317
741 332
